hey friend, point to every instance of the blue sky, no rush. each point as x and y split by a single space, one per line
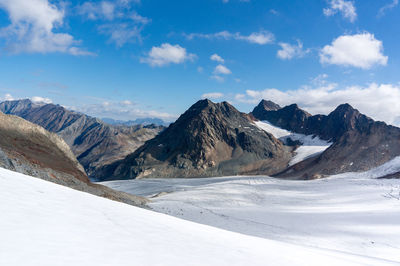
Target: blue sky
128 58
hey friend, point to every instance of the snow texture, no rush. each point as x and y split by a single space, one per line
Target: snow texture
311 145
47 224
353 213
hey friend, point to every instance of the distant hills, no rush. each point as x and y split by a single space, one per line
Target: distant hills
93 142
138 121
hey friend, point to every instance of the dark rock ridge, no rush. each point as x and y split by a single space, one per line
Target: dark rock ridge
207 140
358 142
93 142
30 149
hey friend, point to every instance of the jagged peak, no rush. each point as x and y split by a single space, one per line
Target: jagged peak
268 105
295 108
344 109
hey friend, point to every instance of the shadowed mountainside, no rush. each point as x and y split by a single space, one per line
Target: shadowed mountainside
93 142
30 149
359 142
207 140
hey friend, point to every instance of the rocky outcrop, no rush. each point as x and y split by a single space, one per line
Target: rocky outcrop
30 149
207 140
358 142
93 142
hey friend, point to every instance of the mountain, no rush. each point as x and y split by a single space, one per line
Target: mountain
30 149
138 121
93 142
358 142
209 139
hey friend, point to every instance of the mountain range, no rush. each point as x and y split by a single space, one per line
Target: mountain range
215 139
93 142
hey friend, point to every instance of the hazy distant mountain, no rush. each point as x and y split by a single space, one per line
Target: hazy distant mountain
207 140
93 142
30 149
358 142
138 121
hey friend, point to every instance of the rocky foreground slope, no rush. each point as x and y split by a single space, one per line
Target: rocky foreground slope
30 149
93 142
358 142
209 139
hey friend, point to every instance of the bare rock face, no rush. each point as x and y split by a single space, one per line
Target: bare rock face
93 142
30 149
358 142
207 140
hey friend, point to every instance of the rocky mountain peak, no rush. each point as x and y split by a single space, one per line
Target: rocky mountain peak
268 105
263 107
209 139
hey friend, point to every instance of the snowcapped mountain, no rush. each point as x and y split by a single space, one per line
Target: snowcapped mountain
48 224
212 139
358 143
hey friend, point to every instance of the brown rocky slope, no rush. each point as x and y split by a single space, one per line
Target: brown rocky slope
30 149
93 142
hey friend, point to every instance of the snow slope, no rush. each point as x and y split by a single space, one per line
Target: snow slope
311 145
353 212
46 224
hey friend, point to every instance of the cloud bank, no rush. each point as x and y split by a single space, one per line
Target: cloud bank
34 28
381 102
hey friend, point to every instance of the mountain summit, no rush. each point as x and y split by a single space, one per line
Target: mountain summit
358 142
209 139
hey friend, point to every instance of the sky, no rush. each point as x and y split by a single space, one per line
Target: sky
128 59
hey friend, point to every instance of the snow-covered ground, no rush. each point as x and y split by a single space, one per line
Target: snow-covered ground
354 213
311 145
46 224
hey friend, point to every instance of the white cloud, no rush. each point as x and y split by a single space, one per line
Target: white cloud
139 19
32 28
221 69
167 54
126 102
121 33
116 110
217 58
212 95
359 50
38 99
381 102
274 12
289 51
7 97
121 24
98 10
387 7
346 8
200 69
261 38
218 78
